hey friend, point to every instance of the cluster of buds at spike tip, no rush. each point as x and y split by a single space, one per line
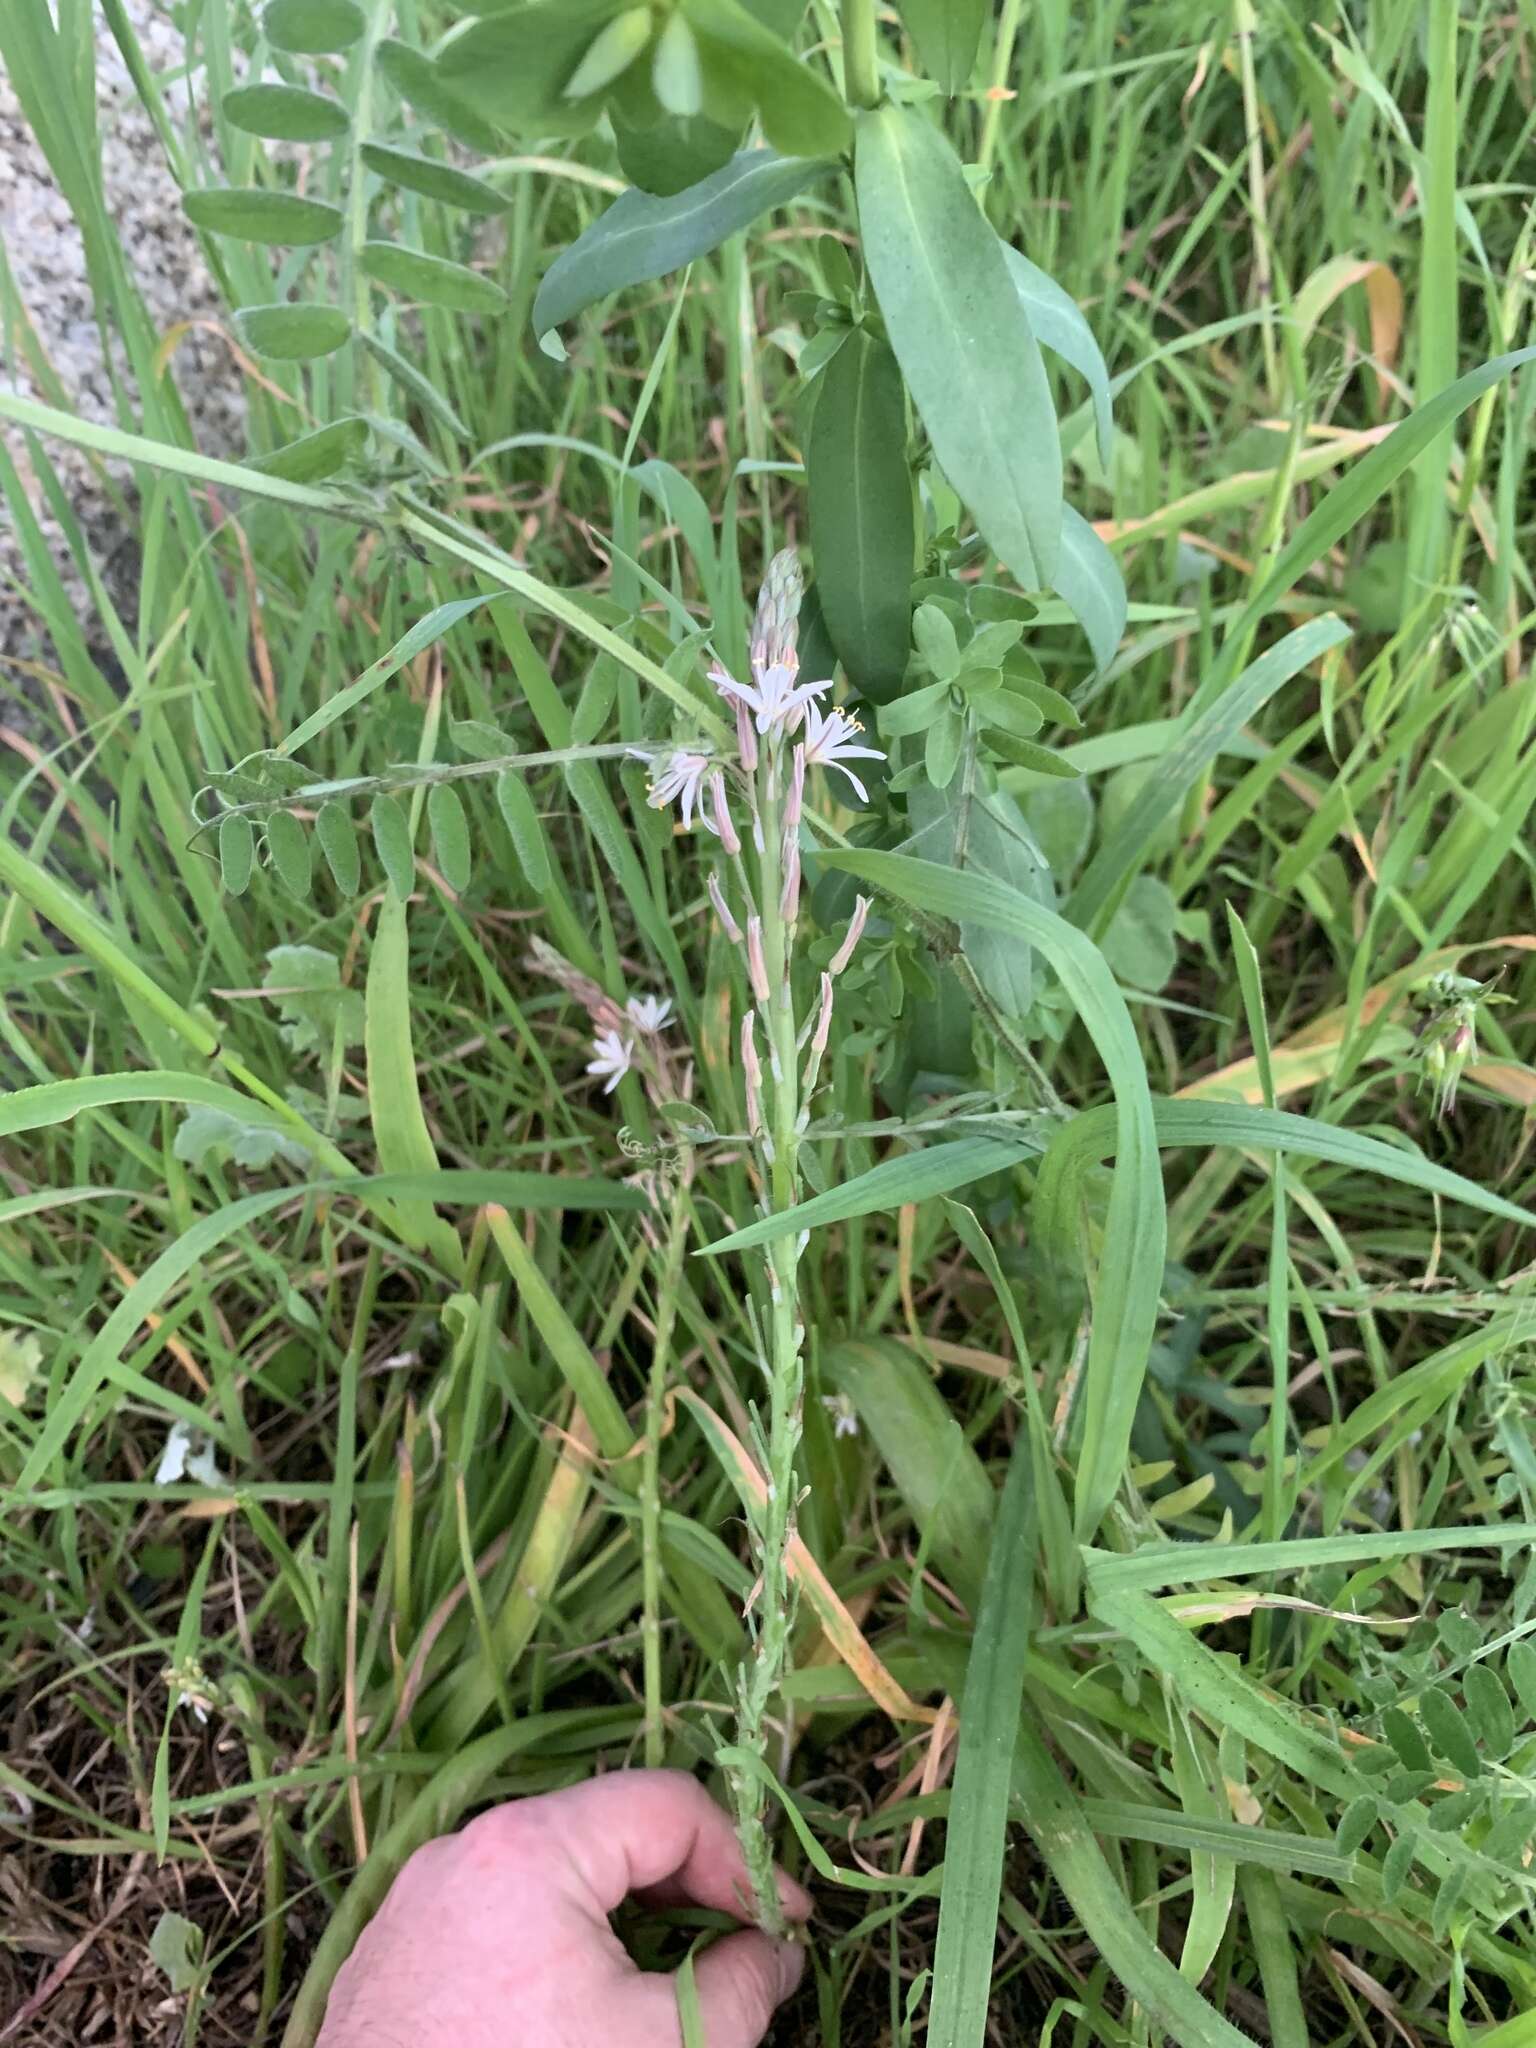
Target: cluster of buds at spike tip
1448 1005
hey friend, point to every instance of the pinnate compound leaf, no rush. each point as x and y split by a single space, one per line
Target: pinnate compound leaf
962 337
285 113
861 513
642 237
292 334
251 213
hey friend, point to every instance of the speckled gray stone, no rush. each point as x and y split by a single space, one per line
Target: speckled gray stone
47 259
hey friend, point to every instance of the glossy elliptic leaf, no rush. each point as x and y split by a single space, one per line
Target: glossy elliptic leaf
285 113
292 334
251 213
420 84
432 279
861 513
338 842
392 841
289 848
962 337
450 835
746 64
311 28
1059 325
514 66
641 236
236 853
432 179
318 455
948 35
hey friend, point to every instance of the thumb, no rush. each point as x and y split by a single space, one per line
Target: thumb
740 1982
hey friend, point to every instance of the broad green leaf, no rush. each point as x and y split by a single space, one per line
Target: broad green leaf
1130 1274
912 1177
1140 944
937 1473
677 76
250 213
642 237
312 28
752 67
962 337
432 279
450 835
610 53
400 1134
513 67
521 817
948 35
1058 324
1448 1733
338 842
292 334
860 496
420 84
433 179
665 157
990 1709
290 851
1489 1711
1088 579
176 1949
237 853
392 841
205 1135
316 455
1201 737
285 113
416 386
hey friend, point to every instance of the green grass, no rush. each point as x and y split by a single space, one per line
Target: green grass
412 1588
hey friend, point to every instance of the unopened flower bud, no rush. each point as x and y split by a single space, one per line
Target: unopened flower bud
757 966
746 736
752 1072
852 936
795 799
824 1020
789 894
728 923
722 815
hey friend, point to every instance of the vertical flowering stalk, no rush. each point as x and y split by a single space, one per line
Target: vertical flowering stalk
782 732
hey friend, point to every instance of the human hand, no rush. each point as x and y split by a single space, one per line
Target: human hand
498 1936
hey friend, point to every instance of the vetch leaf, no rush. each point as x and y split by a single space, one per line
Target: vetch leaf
392 841
416 386
289 848
312 28
237 852
948 35
1402 1731
450 835
338 842
1520 1667
251 213
285 113
861 513
1489 1711
433 279
962 337
421 85
292 334
432 179
522 822
315 456
641 237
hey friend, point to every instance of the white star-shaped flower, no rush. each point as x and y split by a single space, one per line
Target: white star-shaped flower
649 1013
612 1056
827 743
681 777
773 694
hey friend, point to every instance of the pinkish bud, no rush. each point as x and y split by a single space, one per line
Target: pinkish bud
795 800
757 966
722 815
752 1072
789 894
728 923
746 737
824 1020
852 936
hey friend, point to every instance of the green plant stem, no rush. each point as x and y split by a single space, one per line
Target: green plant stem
650 1479
357 285
861 68
1002 64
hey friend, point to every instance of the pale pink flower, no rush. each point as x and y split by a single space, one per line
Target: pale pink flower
613 1056
720 822
828 737
851 937
682 778
649 1013
757 966
728 923
773 694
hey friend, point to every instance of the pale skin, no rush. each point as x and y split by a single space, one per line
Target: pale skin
498 1936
